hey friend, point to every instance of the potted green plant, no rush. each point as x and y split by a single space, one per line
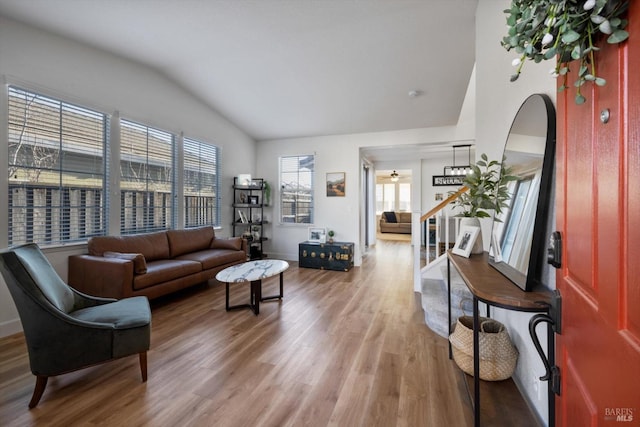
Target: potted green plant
488 191
568 30
331 233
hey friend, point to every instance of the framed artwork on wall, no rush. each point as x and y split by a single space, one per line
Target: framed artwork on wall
335 184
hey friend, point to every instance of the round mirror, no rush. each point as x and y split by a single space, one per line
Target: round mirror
518 235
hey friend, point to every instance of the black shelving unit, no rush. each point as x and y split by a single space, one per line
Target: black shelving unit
248 215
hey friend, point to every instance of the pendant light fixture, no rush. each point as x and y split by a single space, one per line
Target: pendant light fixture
460 169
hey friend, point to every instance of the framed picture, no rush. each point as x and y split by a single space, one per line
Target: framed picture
335 184
243 217
466 239
317 235
253 200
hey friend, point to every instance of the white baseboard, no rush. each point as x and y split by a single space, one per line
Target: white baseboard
10 327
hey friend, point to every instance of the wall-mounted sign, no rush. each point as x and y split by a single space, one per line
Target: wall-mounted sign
442 180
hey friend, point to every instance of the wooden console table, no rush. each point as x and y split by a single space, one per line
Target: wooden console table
491 287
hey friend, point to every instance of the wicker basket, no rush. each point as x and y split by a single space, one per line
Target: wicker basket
498 356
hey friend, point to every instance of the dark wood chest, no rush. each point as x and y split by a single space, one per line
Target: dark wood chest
326 256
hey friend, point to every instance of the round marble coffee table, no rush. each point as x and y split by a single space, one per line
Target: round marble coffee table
254 272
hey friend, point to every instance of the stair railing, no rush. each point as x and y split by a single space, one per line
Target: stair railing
433 221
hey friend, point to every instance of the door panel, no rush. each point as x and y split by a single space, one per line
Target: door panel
598 213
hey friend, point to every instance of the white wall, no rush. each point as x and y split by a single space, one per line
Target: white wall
497 102
74 72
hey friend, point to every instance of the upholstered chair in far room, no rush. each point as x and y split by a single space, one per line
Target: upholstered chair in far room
66 330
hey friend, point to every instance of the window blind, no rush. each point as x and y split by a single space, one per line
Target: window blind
201 183
147 183
56 170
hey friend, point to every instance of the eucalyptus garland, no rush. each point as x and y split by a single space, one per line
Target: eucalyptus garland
566 29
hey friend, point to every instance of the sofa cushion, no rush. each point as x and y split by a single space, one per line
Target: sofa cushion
189 240
390 216
233 243
139 263
403 217
165 270
211 258
152 245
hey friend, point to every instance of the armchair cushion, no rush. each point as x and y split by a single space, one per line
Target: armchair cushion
390 216
139 263
127 313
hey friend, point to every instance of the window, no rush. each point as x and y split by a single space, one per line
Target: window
201 183
56 170
147 179
404 197
393 197
296 189
385 198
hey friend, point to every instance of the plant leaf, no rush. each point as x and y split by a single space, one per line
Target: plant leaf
570 37
618 36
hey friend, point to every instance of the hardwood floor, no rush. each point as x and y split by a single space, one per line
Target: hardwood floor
341 349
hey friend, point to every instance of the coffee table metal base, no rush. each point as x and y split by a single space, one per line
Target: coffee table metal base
255 296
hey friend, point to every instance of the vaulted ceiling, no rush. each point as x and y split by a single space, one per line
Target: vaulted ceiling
285 68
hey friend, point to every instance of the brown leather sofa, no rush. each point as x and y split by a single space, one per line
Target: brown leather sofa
153 264
395 222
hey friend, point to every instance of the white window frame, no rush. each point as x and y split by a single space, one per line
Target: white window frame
295 182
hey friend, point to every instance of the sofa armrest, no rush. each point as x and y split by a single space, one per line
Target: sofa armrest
99 276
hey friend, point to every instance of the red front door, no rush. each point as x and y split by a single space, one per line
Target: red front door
598 211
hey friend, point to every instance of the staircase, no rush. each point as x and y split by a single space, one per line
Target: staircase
431 281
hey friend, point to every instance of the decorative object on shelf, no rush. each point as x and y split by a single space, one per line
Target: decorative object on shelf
530 151
488 190
317 235
335 184
394 176
254 200
243 217
467 238
255 232
267 193
244 179
498 356
331 233
543 29
243 197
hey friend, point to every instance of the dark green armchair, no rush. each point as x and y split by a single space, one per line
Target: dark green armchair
66 330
